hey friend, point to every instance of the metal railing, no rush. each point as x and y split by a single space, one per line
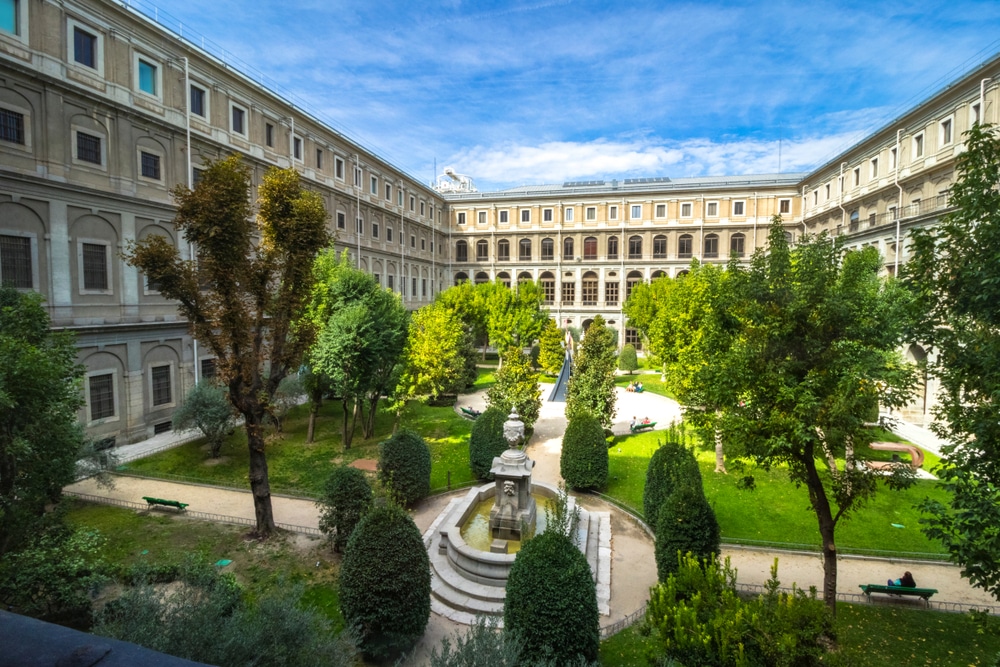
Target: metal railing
908 212
627 622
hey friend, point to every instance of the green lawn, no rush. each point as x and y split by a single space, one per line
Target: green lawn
650 382
776 511
867 635
299 469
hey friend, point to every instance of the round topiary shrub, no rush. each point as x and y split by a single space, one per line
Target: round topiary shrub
552 601
669 465
486 441
686 524
346 497
404 466
584 460
385 583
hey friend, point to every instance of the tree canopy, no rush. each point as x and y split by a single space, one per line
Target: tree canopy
592 383
247 291
516 388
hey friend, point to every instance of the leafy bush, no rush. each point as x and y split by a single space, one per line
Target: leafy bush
404 466
207 409
592 385
701 620
486 441
385 583
670 464
686 524
584 460
346 496
550 348
552 601
516 387
627 359
482 644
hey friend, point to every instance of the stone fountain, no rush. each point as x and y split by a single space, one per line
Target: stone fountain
514 508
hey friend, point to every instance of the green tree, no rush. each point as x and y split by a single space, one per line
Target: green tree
385 583
815 355
628 360
40 438
592 384
551 353
247 290
346 497
487 441
468 302
686 524
433 360
956 283
514 317
583 462
207 409
516 388
671 465
404 466
552 601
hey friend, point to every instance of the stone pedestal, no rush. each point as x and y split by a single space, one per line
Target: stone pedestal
514 508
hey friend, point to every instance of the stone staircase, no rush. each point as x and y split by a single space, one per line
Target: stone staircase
460 599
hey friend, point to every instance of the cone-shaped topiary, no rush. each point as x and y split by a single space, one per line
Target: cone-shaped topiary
486 441
346 497
671 464
552 601
404 466
584 460
686 524
385 583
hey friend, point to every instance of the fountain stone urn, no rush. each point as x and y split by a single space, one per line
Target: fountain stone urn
514 507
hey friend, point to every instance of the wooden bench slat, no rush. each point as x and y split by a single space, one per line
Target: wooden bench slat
169 503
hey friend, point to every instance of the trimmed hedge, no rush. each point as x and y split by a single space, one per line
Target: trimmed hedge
346 497
385 583
404 466
552 601
671 464
584 459
486 441
686 524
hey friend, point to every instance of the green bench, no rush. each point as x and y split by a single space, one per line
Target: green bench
922 593
470 413
639 427
169 503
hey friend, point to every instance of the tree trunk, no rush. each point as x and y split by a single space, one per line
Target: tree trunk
348 426
720 459
260 486
827 526
315 403
372 411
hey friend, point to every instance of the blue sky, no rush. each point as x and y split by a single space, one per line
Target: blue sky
544 91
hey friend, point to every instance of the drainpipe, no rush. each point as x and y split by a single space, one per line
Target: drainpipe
188 179
840 186
357 194
402 251
701 229
291 142
754 248
982 100
899 205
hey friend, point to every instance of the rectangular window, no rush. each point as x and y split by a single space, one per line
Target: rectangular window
161 385
661 210
388 234
874 163
591 213
11 126
10 16
974 114
374 230
784 206
413 287
238 120
319 158
422 209
147 77
946 127
341 220
568 292
504 217
739 208
815 197
712 209
88 148
357 177
196 175
857 176
269 135
297 148
84 47
413 241
150 165
892 158
208 369
413 203
611 294
482 217
613 248
636 212
388 192
918 146
102 396
423 287
338 168
686 210
612 212
423 244
198 101
546 215
15 262
390 282
568 215
360 225
374 185
399 197
525 215
95 266
461 217
827 192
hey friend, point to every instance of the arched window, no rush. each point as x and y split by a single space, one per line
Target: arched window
659 247
711 245
482 251
524 277
548 250
613 247
503 250
631 280
589 288
635 247
524 250
460 278
736 245
461 251
504 278
481 278
684 244
590 247
658 274
789 239
682 273
568 248
548 283
586 325
855 219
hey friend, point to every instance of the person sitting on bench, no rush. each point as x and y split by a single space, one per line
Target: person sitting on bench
630 387
906 581
632 423
638 387
645 420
